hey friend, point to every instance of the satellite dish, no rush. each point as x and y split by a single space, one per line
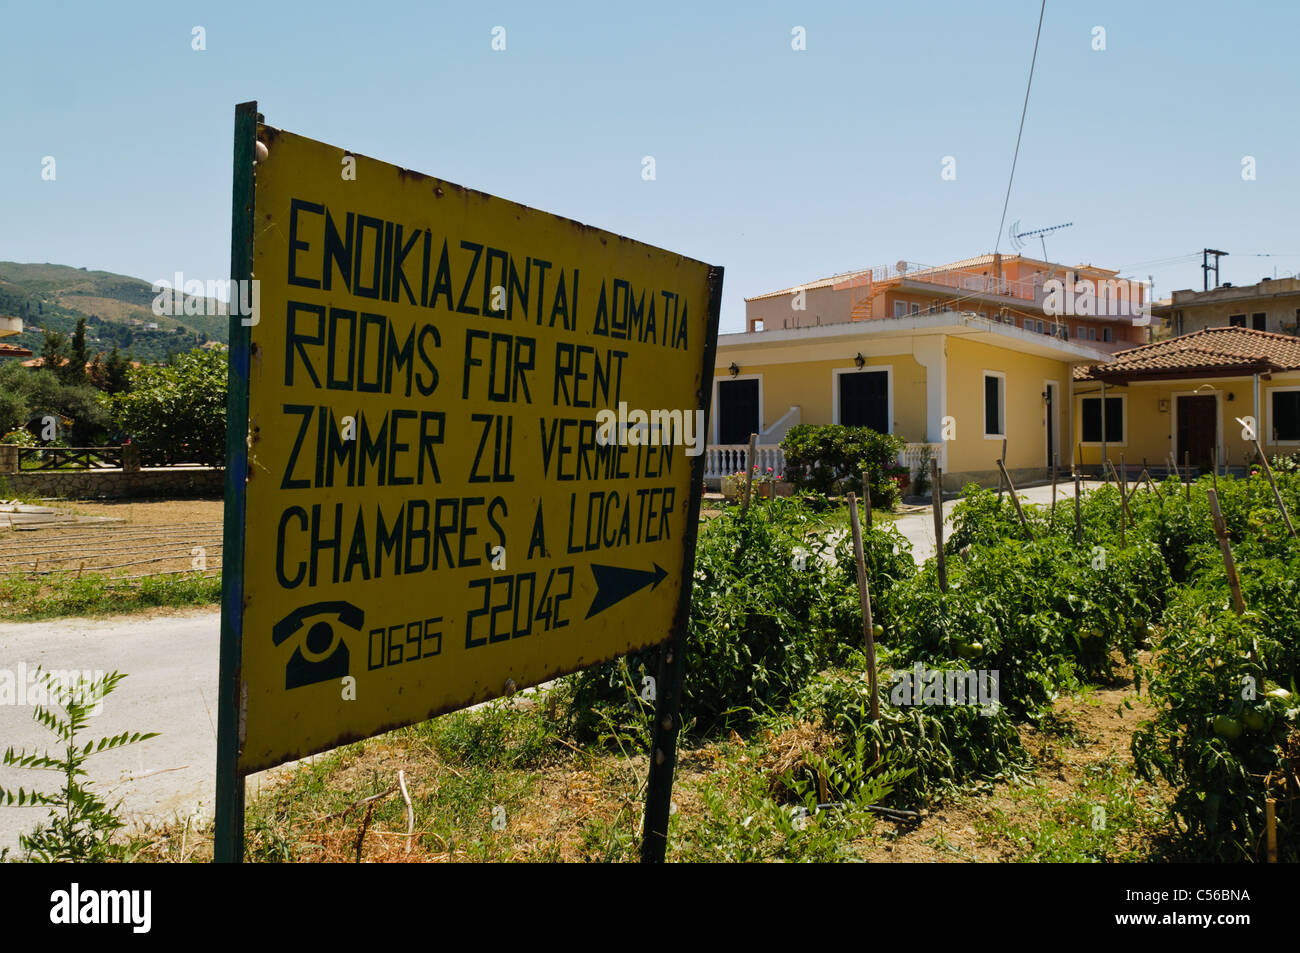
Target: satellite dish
901 266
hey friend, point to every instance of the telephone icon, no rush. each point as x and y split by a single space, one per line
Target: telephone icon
322 655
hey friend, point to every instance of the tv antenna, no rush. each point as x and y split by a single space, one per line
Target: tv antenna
1017 237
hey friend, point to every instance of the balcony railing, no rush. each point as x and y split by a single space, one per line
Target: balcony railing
970 281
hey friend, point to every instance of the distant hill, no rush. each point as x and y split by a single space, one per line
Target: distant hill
117 309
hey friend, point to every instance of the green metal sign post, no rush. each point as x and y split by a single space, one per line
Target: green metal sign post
228 846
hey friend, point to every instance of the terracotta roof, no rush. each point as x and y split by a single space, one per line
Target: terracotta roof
13 350
1221 351
63 361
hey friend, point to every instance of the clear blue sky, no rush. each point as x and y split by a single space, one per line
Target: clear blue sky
782 166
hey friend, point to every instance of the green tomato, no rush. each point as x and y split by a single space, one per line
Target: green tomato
1225 726
1254 719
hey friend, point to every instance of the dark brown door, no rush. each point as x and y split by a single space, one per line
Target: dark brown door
1198 429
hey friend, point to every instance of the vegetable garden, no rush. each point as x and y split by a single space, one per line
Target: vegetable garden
1051 606
781 757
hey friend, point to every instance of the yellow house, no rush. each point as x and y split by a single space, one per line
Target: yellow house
1186 395
952 382
10 326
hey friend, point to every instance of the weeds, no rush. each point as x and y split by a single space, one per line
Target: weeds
80 825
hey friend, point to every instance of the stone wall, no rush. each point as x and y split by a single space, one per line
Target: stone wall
114 484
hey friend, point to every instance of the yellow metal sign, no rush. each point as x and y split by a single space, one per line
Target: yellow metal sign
474 438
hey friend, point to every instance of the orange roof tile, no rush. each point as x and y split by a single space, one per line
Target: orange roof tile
1221 351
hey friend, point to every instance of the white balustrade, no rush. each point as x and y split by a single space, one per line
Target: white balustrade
722 460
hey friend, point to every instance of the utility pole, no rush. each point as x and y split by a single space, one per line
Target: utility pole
1206 267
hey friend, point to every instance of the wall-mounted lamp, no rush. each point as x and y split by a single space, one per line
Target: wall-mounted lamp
1231 396
734 369
860 361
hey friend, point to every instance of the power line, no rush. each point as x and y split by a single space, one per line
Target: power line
1156 262
1024 109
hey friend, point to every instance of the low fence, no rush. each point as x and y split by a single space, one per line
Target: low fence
917 455
99 473
723 459
73 458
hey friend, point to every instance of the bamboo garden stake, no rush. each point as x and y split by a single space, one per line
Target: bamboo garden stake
1221 531
936 504
1078 519
1012 490
749 470
864 593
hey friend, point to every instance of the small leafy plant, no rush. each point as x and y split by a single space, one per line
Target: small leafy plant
81 824
830 459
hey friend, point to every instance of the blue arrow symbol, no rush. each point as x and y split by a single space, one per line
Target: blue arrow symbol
614 584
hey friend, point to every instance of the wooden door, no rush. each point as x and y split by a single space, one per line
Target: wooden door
1198 429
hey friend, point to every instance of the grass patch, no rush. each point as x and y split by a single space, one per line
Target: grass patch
501 783
1111 817
90 594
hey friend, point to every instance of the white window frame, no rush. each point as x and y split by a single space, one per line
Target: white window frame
1269 411
916 308
904 306
865 369
1123 413
1002 404
713 410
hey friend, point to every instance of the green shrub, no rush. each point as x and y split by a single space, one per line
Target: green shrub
27 396
830 459
775 600
176 413
1218 736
